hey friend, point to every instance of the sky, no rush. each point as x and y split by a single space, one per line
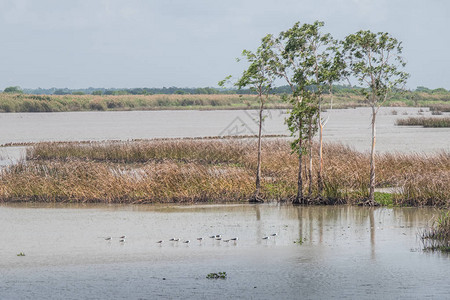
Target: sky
195 43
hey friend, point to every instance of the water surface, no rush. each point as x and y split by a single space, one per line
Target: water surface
349 126
345 252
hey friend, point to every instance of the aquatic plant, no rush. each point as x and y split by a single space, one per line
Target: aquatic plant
21 254
299 241
220 275
437 237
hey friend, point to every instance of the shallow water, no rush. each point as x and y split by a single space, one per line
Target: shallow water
347 252
348 126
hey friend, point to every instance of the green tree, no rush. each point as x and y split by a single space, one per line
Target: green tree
13 90
259 77
306 63
289 64
328 67
97 93
375 60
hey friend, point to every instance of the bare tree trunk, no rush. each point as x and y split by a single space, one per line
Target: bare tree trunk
319 173
299 199
256 197
371 200
258 167
310 177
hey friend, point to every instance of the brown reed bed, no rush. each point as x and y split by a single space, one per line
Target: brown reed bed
214 171
425 122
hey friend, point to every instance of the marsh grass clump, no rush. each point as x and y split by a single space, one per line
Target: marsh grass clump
21 254
425 122
209 152
443 107
437 237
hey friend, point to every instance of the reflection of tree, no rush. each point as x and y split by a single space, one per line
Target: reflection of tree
257 210
372 233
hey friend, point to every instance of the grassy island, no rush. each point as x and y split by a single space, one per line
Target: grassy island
199 170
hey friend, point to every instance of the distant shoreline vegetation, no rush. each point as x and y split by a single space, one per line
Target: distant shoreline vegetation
14 99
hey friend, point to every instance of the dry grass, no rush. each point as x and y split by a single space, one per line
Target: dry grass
59 103
425 122
213 170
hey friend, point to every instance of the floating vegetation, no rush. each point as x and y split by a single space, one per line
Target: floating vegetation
437 237
299 241
220 275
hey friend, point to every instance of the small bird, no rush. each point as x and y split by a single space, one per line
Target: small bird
265 238
218 239
187 242
274 234
121 241
159 242
218 235
122 237
199 239
226 241
176 240
212 236
108 238
234 239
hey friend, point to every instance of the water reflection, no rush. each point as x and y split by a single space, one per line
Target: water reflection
343 247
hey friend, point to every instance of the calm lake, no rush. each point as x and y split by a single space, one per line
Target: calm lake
347 126
341 252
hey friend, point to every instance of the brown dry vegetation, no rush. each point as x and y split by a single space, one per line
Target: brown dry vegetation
425 122
213 171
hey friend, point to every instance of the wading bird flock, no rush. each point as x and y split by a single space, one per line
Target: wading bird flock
217 237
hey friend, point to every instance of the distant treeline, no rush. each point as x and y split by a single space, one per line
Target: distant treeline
337 89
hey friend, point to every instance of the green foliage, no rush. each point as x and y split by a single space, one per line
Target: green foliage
13 90
61 92
97 93
376 62
21 254
301 115
385 199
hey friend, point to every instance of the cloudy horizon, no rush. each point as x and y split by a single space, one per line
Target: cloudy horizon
118 44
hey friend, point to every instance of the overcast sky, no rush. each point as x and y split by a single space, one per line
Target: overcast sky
194 43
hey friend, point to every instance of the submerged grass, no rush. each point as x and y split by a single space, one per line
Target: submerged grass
215 171
425 122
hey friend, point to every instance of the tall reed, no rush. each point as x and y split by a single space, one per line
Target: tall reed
214 170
